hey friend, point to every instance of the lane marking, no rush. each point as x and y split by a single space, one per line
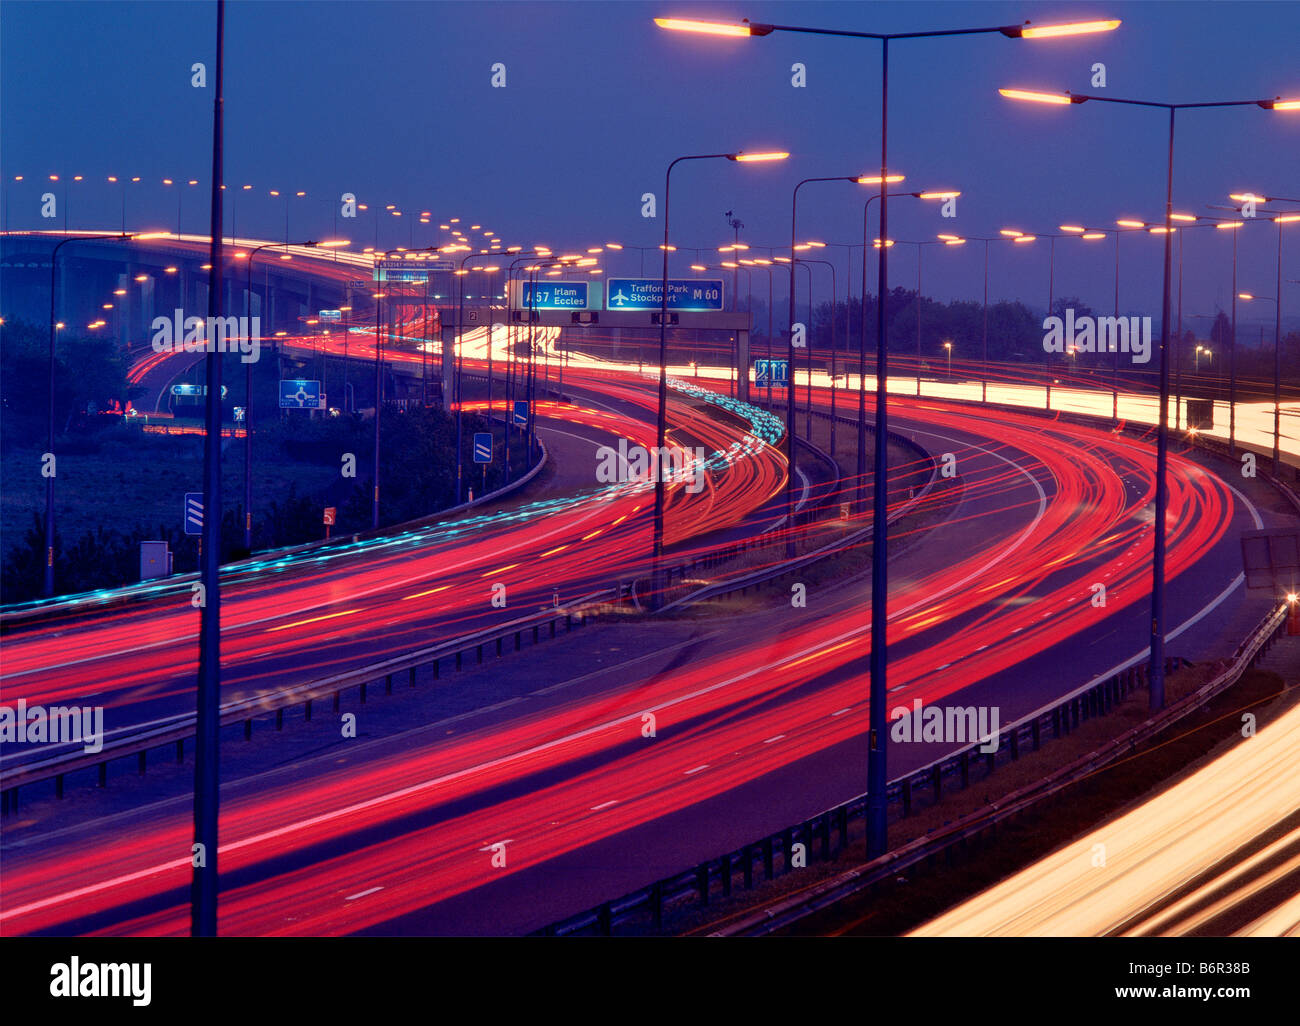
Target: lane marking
314 619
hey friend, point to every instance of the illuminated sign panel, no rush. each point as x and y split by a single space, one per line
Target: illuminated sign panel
685 295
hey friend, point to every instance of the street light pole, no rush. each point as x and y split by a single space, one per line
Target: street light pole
49 478
876 767
48 583
203 896
661 420
1156 667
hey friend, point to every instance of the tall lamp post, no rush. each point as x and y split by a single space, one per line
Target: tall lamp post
1156 668
811 315
248 379
1290 217
55 325
882 245
207 781
662 419
876 762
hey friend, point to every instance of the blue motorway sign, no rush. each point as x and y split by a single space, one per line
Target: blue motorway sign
402 271
684 294
771 372
193 512
521 413
553 295
482 447
297 394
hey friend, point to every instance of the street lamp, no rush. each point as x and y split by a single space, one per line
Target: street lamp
1289 217
248 380
662 420
1156 670
883 247
876 764
1277 369
55 327
948 346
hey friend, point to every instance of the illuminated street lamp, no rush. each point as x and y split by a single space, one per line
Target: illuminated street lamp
948 346
55 327
1289 217
1156 669
248 380
662 420
876 764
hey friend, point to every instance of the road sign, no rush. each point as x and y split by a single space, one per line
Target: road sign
297 394
331 514
684 294
330 316
521 413
239 414
771 372
554 295
402 271
195 390
193 512
482 447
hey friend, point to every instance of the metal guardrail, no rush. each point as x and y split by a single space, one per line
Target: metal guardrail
56 767
721 876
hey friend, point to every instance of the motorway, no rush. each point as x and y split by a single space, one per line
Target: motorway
759 715
565 781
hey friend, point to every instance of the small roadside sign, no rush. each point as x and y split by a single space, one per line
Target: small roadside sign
193 513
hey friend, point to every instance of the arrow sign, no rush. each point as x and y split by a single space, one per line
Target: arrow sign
771 372
482 447
193 512
331 513
521 413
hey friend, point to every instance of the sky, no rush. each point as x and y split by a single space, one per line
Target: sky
394 102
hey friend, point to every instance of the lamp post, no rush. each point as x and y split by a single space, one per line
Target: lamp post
248 380
876 762
207 726
287 195
790 403
55 326
1289 217
661 420
461 274
948 346
882 244
834 302
1251 297
1156 669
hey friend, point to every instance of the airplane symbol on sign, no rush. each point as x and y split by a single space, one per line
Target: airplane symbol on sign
618 298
